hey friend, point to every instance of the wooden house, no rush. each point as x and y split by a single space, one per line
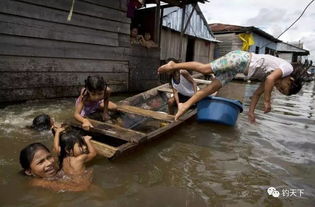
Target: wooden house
229 35
290 52
42 55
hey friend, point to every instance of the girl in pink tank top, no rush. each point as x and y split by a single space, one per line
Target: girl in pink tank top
95 96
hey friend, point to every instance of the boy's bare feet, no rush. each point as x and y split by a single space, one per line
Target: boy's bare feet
166 67
182 108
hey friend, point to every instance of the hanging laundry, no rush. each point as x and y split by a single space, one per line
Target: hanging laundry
247 39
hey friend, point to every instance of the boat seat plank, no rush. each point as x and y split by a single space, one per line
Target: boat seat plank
115 131
202 81
167 90
144 112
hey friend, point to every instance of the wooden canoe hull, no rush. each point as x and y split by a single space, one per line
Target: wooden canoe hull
141 118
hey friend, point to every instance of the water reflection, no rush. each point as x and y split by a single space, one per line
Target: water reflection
194 165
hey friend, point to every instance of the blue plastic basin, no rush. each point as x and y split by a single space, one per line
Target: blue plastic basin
219 110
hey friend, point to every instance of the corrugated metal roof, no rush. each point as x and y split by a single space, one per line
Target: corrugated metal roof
218 28
197 26
285 47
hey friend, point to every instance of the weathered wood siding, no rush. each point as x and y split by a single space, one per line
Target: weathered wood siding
286 56
143 66
229 42
42 55
204 51
170 45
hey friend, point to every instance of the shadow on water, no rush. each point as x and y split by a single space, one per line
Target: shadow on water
196 164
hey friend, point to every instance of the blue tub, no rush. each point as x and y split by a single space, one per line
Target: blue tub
219 110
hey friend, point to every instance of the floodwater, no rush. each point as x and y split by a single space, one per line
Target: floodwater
194 165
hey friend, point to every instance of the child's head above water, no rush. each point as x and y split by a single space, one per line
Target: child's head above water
42 122
71 144
96 87
36 160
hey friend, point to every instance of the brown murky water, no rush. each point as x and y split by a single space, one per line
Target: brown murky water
194 165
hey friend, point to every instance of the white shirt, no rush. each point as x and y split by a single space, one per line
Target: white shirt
184 87
261 65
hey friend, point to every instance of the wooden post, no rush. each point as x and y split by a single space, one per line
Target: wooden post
157 22
161 23
192 11
182 34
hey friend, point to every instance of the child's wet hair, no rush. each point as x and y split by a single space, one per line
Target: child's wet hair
298 77
95 83
42 122
68 139
28 152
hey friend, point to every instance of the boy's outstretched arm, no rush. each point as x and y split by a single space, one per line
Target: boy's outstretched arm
269 84
254 100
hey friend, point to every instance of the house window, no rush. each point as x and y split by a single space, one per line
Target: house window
257 50
270 51
294 58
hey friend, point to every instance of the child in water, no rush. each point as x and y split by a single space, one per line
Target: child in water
39 164
43 122
271 70
93 97
183 86
73 150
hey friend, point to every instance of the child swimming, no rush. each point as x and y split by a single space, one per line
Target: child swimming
42 122
93 97
37 161
271 70
183 86
73 150
39 164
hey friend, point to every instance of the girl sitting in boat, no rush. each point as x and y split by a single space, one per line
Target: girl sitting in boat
271 70
183 86
94 97
73 150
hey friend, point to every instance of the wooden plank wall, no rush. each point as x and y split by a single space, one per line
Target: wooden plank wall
143 66
170 43
42 55
204 51
228 43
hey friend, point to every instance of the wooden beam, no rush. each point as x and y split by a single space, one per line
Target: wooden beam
202 81
144 112
114 131
104 149
167 90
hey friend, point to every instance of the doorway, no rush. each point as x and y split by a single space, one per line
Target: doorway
190 49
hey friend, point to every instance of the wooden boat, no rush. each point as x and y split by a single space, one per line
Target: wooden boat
140 118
